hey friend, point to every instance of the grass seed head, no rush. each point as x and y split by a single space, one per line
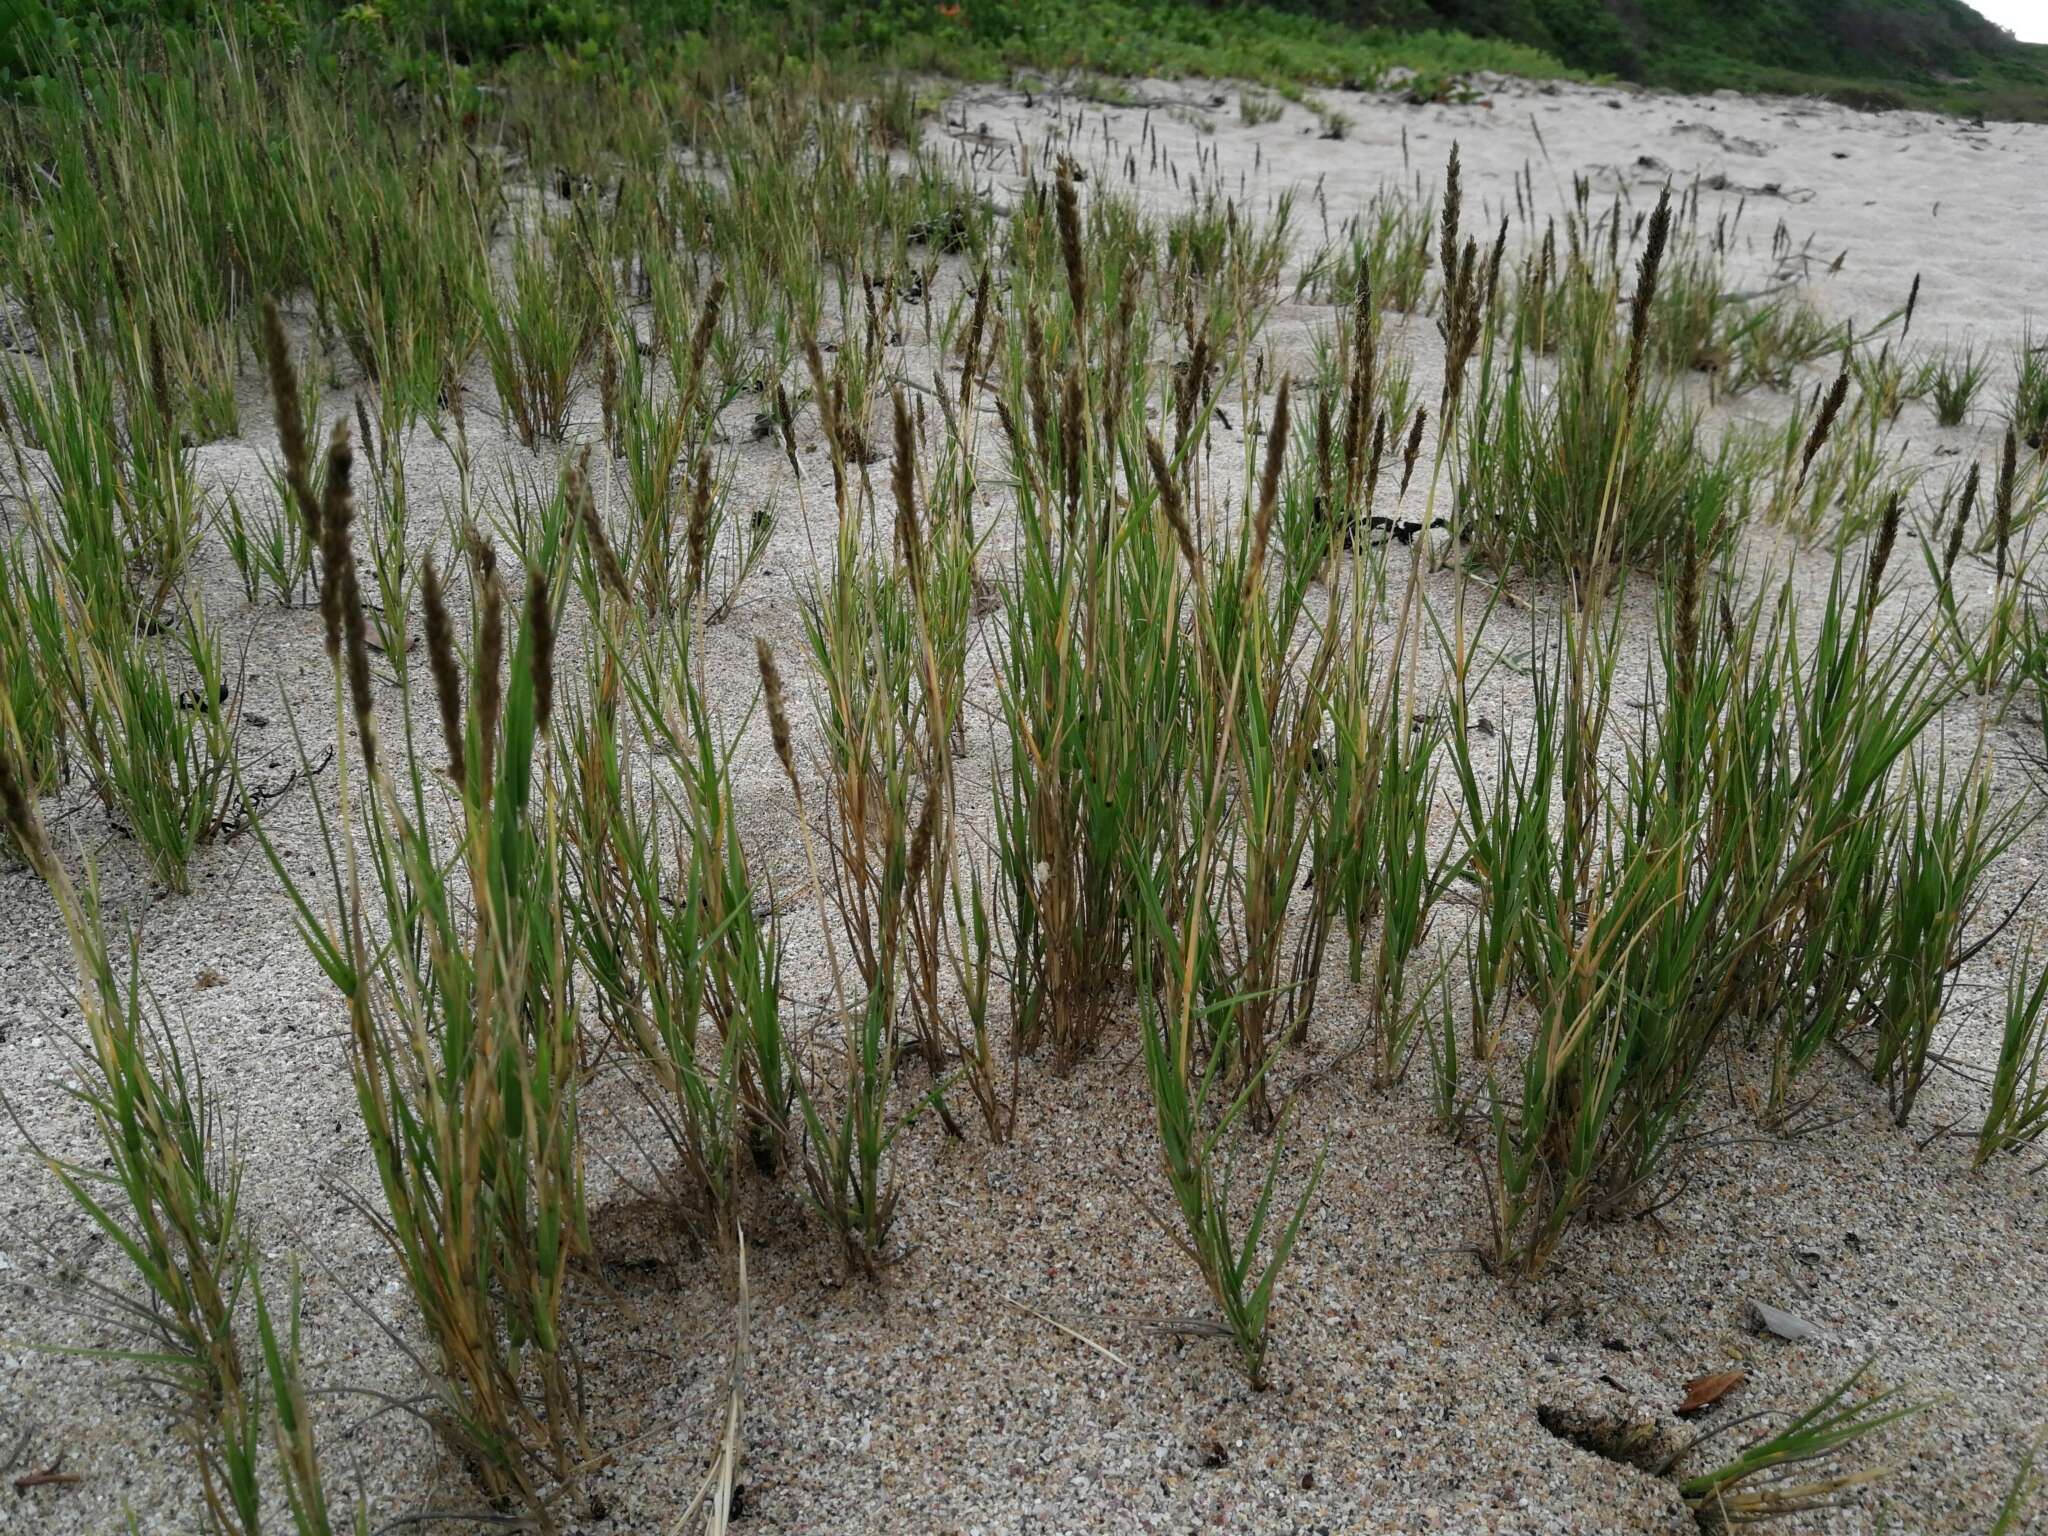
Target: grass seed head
1687 602
540 616
1961 528
923 835
337 508
1646 292
778 711
583 506
814 364
447 671
699 537
608 388
977 321
1830 408
785 421
1072 422
1380 428
490 669
1454 195
1269 486
903 479
1881 551
17 810
369 436
160 383
1020 446
1358 408
1493 264
1068 210
1414 448
1193 386
2001 502
1324 428
360 697
291 421
451 396
707 328
1170 502
341 595
1034 378
1462 324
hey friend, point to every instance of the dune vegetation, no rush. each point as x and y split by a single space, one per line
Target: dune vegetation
1157 556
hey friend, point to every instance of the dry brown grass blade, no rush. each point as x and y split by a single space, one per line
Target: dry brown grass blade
1073 1333
715 1494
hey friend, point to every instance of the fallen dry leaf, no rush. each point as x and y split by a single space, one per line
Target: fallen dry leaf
1702 1392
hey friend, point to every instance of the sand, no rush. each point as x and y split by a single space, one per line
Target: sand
1017 1368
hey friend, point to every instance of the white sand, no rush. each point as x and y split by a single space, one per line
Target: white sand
1406 1380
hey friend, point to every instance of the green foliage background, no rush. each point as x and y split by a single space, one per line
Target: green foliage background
1877 53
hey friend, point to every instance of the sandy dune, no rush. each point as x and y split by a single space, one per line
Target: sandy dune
1019 1369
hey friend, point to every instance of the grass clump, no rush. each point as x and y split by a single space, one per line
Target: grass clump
1954 385
1207 990
2018 1110
167 1195
150 716
1236 1262
1948 835
2027 408
463 1040
650 958
541 332
1092 639
846 1167
1773 1476
1600 469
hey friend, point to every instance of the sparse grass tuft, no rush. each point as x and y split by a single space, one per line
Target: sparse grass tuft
1954 385
2027 409
2018 1111
1775 1475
